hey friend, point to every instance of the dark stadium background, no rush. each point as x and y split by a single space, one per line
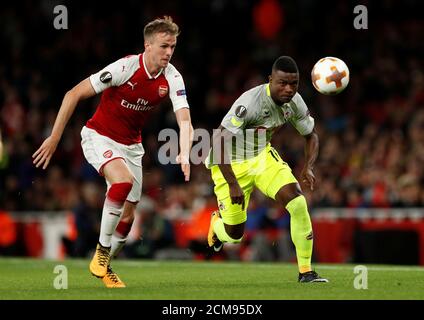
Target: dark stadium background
371 135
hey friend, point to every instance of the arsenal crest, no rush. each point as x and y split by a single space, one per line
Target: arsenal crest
163 90
108 154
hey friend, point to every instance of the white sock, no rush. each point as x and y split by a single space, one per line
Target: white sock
117 244
110 218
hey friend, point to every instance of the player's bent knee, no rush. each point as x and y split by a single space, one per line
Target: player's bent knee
288 193
118 192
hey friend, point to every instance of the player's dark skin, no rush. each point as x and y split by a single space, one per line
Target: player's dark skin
283 87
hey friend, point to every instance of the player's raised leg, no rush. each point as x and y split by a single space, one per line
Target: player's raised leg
227 225
121 182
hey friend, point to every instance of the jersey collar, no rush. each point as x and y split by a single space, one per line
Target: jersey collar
147 72
268 93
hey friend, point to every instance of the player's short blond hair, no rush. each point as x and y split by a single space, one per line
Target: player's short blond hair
159 25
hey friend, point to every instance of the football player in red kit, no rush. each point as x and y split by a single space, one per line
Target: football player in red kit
111 139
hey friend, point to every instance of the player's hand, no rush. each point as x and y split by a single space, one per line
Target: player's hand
308 177
43 155
236 194
185 166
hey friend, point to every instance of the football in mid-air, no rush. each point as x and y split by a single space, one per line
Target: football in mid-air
330 75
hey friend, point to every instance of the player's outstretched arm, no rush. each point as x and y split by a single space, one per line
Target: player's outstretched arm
311 154
81 91
186 140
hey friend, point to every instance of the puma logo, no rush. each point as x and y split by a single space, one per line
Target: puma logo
131 85
310 236
114 214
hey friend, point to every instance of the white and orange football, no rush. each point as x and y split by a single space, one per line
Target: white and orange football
330 75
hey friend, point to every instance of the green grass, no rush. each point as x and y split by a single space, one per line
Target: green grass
178 280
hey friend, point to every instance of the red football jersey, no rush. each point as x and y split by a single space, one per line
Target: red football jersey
129 93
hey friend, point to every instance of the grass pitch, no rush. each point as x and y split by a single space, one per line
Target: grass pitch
27 279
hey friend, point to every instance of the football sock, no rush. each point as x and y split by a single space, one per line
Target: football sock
112 210
301 232
222 235
119 238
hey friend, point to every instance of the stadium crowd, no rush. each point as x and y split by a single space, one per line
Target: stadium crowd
371 135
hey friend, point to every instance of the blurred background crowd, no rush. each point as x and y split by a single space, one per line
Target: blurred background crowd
371 135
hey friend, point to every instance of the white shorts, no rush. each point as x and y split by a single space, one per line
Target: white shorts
99 150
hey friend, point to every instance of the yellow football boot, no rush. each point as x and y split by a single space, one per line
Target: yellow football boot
100 261
111 279
213 240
